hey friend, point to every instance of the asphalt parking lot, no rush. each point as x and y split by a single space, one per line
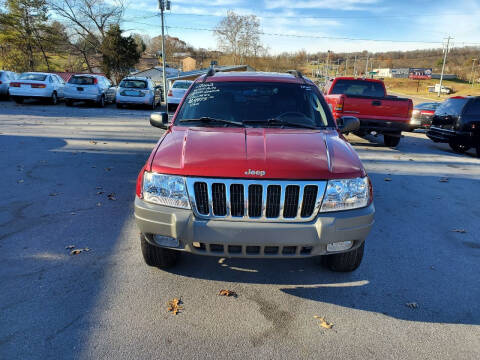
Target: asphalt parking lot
68 179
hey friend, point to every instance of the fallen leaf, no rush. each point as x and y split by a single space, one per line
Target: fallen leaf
174 306
108 169
225 292
79 251
53 194
70 247
99 188
387 179
73 213
461 231
323 323
443 179
411 305
100 192
111 196
93 142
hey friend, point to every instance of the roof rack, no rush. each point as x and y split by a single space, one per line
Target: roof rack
295 73
210 72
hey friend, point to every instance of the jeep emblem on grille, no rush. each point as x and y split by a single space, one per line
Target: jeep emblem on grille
255 172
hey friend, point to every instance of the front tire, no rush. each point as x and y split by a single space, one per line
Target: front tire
459 148
162 258
101 102
390 140
345 262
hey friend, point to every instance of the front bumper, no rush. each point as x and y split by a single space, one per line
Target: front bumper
384 126
459 137
253 239
81 96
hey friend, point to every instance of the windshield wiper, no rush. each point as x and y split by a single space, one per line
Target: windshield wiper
277 121
208 119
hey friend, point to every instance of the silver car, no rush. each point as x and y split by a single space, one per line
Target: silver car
176 93
138 91
5 78
89 88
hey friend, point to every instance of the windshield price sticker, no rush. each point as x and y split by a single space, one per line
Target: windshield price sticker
202 92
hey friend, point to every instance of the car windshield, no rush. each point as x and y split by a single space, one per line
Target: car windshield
451 107
257 104
34 77
81 80
133 84
181 85
358 88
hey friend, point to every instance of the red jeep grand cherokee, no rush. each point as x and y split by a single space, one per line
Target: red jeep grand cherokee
253 165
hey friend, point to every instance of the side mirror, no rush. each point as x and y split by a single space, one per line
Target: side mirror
159 119
348 124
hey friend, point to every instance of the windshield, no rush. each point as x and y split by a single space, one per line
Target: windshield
35 77
255 103
81 80
133 84
181 84
427 106
451 107
358 88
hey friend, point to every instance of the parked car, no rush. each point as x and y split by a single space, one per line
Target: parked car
457 122
37 85
138 91
253 165
367 99
176 93
5 78
422 115
91 88
436 87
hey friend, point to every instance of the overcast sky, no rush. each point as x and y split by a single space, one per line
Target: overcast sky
319 25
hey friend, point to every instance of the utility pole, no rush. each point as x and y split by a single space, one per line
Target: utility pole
473 74
443 65
164 5
346 67
355 66
328 70
366 67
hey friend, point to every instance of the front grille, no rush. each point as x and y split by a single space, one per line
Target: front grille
255 200
253 250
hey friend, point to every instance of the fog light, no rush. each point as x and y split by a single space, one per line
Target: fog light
165 241
340 246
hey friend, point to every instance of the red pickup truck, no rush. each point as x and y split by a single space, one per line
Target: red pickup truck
253 165
367 100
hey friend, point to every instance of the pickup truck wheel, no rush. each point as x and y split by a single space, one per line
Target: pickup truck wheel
156 256
459 148
345 262
390 140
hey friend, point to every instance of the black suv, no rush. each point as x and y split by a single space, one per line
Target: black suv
457 122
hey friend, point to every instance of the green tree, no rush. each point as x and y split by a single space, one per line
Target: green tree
119 53
26 35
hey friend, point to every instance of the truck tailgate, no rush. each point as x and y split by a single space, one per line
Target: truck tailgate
390 109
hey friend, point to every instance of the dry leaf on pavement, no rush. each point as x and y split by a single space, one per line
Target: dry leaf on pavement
70 247
388 179
111 196
443 179
225 292
461 231
78 251
411 305
323 323
93 142
174 306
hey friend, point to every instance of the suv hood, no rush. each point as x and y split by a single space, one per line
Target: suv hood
270 153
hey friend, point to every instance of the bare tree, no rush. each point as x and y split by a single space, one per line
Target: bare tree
239 35
88 22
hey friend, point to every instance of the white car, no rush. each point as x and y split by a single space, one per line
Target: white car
138 91
175 94
6 77
89 88
37 85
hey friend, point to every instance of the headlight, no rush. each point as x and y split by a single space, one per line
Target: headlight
169 190
346 194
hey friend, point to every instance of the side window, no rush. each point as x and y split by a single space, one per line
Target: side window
50 79
473 108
